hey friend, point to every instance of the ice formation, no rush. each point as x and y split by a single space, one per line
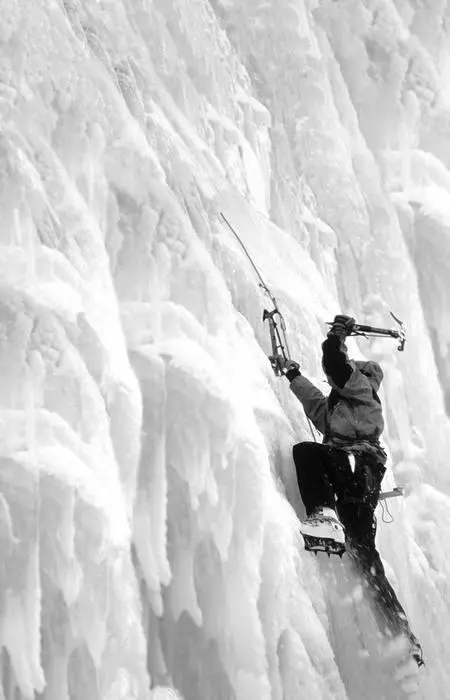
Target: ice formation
148 507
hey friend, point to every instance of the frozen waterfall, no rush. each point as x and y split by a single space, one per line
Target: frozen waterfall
149 540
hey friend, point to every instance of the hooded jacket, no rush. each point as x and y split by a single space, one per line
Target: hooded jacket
352 414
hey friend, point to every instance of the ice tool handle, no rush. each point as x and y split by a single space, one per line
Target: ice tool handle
277 338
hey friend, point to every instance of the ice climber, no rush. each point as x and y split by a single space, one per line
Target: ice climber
340 479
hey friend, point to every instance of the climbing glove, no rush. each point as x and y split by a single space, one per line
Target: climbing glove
342 326
289 368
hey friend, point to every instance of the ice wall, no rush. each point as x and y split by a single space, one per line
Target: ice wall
148 505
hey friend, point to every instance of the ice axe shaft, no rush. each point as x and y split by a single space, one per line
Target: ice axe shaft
278 339
373 329
397 491
381 332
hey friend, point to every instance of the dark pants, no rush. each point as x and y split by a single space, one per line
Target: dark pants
325 478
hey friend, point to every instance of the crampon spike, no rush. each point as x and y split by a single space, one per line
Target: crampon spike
323 544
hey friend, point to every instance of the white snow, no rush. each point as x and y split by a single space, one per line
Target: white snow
149 512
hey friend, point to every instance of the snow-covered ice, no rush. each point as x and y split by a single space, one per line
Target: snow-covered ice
149 535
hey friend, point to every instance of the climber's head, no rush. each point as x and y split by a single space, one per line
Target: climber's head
372 371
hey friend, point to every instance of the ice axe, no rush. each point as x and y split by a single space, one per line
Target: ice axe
372 331
277 325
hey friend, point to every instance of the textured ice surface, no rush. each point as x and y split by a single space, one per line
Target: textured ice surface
149 538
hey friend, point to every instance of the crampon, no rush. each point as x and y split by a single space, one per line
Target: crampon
323 544
323 532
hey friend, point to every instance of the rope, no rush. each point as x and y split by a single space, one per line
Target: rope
311 428
383 504
262 284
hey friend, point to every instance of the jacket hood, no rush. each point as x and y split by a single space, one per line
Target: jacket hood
372 371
